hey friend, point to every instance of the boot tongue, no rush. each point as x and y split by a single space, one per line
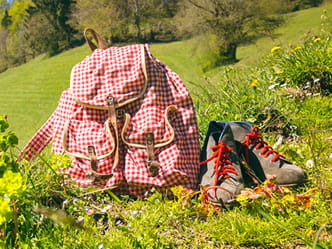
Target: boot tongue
227 137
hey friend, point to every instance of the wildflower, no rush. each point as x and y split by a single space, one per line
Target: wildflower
273 86
279 142
303 200
119 221
12 184
255 196
310 164
298 47
4 210
80 219
101 245
276 48
253 83
316 80
317 39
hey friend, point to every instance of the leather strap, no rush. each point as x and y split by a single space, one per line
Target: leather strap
100 41
112 116
158 144
94 166
152 164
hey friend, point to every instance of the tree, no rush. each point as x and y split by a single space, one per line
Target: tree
56 14
232 22
305 4
124 20
108 17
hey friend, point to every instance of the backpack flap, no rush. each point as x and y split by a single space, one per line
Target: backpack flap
117 72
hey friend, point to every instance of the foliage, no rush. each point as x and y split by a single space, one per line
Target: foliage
56 14
12 185
304 4
272 197
130 20
306 67
231 22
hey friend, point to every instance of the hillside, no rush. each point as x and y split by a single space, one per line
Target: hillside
29 93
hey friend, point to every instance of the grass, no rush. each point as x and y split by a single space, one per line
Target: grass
29 94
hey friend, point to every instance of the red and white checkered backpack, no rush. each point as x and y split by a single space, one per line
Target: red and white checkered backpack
127 120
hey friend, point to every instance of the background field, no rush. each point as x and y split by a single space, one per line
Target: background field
51 214
29 93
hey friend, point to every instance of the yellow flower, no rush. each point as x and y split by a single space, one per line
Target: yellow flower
4 210
275 49
317 39
12 184
298 47
253 83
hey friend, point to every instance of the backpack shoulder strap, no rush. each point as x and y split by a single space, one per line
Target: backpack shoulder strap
100 41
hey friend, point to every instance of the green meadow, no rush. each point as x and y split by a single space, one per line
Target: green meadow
29 93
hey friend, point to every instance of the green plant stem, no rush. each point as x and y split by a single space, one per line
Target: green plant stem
15 219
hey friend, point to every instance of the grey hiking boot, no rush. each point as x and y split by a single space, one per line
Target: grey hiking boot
262 159
220 174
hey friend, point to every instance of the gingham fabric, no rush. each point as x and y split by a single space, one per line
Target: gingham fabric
161 105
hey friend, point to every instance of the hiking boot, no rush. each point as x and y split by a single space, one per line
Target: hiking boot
220 172
261 158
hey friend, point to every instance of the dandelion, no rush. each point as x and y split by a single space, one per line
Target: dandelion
297 48
276 48
317 39
310 164
253 83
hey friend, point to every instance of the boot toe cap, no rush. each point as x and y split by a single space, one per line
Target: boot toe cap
291 175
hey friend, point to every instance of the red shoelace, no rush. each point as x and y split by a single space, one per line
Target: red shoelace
222 163
255 138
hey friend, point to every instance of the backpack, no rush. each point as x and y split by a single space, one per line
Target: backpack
127 120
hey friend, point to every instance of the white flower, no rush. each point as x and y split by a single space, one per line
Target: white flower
279 142
80 219
310 164
273 86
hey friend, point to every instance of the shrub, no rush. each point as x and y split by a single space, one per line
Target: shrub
306 67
